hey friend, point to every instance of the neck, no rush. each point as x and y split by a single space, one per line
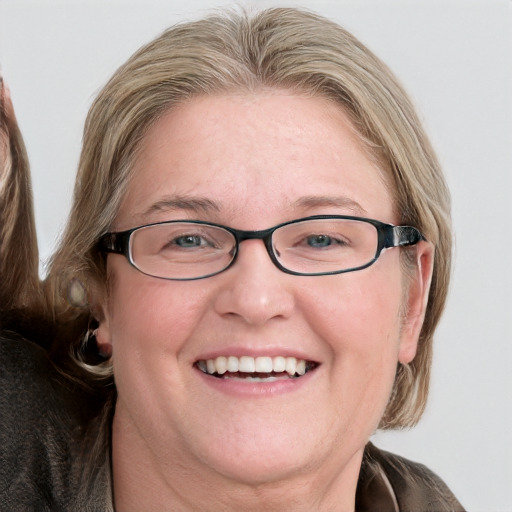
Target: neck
143 479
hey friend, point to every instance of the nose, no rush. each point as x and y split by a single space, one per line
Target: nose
254 289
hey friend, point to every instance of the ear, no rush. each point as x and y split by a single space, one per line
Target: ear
100 311
416 299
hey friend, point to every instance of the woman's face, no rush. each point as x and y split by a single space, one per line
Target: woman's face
251 162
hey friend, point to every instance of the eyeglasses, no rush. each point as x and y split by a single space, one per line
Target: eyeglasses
311 246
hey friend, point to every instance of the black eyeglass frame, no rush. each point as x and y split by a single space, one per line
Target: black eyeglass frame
388 236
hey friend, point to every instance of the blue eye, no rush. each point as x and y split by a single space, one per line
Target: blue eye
320 241
189 241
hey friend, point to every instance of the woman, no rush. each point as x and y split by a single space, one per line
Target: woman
258 322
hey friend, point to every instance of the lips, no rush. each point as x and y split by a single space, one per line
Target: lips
262 368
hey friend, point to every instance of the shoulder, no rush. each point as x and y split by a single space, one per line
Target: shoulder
43 422
416 488
31 385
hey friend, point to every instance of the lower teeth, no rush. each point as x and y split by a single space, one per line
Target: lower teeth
255 379
262 377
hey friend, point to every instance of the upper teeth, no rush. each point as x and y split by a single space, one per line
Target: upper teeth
247 364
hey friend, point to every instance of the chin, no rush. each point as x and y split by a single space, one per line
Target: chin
255 451
255 469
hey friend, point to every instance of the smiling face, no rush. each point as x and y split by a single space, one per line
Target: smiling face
251 162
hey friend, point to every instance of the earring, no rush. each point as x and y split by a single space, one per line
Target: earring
91 351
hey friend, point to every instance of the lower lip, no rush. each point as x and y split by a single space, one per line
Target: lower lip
240 387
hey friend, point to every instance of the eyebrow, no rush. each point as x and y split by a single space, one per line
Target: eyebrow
330 201
181 202
204 205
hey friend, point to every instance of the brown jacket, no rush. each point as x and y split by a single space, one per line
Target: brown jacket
390 483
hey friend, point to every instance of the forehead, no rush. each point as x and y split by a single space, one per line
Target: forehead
262 153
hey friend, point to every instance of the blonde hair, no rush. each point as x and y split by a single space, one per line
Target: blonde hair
19 272
277 48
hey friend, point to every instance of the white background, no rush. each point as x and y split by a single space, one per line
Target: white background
455 58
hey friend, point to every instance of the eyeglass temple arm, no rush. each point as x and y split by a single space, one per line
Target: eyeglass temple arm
113 242
403 236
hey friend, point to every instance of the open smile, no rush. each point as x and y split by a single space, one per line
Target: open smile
256 369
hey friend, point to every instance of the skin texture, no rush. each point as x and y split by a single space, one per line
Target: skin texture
182 440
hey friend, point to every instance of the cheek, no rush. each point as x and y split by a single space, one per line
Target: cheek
151 310
358 317
150 322
357 312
